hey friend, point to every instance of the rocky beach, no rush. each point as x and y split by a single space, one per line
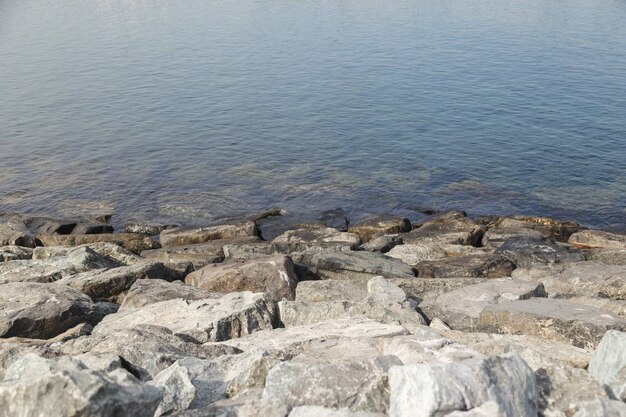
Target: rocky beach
271 315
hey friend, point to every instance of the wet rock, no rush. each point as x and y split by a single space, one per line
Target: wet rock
13 231
375 227
577 324
42 311
525 252
588 278
147 228
335 218
461 231
382 244
419 289
608 364
552 229
233 315
601 408
438 389
108 284
272 227
188 236
13 253
461 308
65 387
487 266
150 291
130 241
112 251
598 239
413 254
274 275
330 290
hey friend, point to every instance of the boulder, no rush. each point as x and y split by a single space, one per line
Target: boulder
150 291
249 251
14 253
131 241
12 349
422 288
488 409
187 236
577 324
108 250
461 308
274 275
233 315
45 225
528 252
598 239
415 253
330 290
441 388
274 226
462 231
377 226
601 408
383 244
248 404
319 235
315 411
487 266
65 387
558 230
608 364
607 256
42 311
494 237
13 231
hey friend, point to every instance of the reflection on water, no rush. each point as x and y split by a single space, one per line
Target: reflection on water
192 110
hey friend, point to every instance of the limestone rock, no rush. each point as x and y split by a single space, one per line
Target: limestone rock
488 409
601 408
314 411
14 253
249 404
317 235
527 252
150 291
495 236
608 363
374 227
330 290
462 231
13 231
488 266
108 250
598 239
607 256
275 276
558 230
188 236
131 241
383 244
415 253
422 288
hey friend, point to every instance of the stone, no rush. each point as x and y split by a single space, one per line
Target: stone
42 311
45 225
580 325
317 235
12 349
558 230
422 288
441 388
147 227
487 266
150 291
601 408
494 237
415 253
13 231
248 404
462 231
617 307
488 409
598 239
357 384
187 236
330 290
314 411
65 387
461 308
377 226
528 252
274 275
14 253
131 241
608 364
249 251
269 228
383 244
606 256
232 315
108 284
108 250
589 278
53 269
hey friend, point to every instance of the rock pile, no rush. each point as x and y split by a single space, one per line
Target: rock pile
271 316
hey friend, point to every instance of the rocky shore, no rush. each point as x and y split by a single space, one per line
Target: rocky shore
273 316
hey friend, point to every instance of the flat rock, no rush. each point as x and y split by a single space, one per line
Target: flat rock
598 239
383 244
254 250
608 363
248 404
415 253
487 266
132 241
441 388
461 231
233 315
558 230
607 256
106 249
601 408
461 308
527 252
495 236
421 288
273 275
150 291
377 226
187 236
42 311
577 324
13 253
317 235
330 290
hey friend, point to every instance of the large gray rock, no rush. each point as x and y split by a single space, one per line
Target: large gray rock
458 231
330 290
557 230
317 235
46 225
42 311
131 241
13 231
601 408
52 269
35 386
487 266
274 275
273 226
106 249
233 315
374 227
598 239
577 324
588 278
14 253
415 253
189 236
315 411
528 252
423 288
383 244
607 256
461 308
488 409
495 236
441 388
608 363
12 349
248 404
150 291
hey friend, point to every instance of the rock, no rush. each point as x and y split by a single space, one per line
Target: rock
314 411
330 290
320 235
13 231
45 225
415 253
598 239
495 236
617 307
112 251
65 387
438 324
13 253
552 229
233 315
461 231
107 284
150 291
606 256
12 349
487 266
41 311
248 404
275 276
130 241
188 236
335 218
358 384
382 244
580 325
374 227
272 227
249 251
192 383
601 408
440 388
461 308
145 349
488 409
147 227
421 288
608 364
526 252
588 278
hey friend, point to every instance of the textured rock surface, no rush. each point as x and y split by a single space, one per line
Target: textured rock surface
383 244
317 235
150 291
608 363
377 226
487 266
132 241
415 253
598 239
330 290
422 288
457 231
13 253
189 236
601 408
314 411
106 249
13 231
527 252
553 229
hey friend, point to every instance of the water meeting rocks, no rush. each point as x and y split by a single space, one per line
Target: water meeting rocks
374 227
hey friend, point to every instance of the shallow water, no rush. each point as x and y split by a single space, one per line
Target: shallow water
194 109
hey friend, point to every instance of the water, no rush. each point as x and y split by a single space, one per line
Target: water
195 109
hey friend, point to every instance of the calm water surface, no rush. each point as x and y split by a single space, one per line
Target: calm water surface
193 109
